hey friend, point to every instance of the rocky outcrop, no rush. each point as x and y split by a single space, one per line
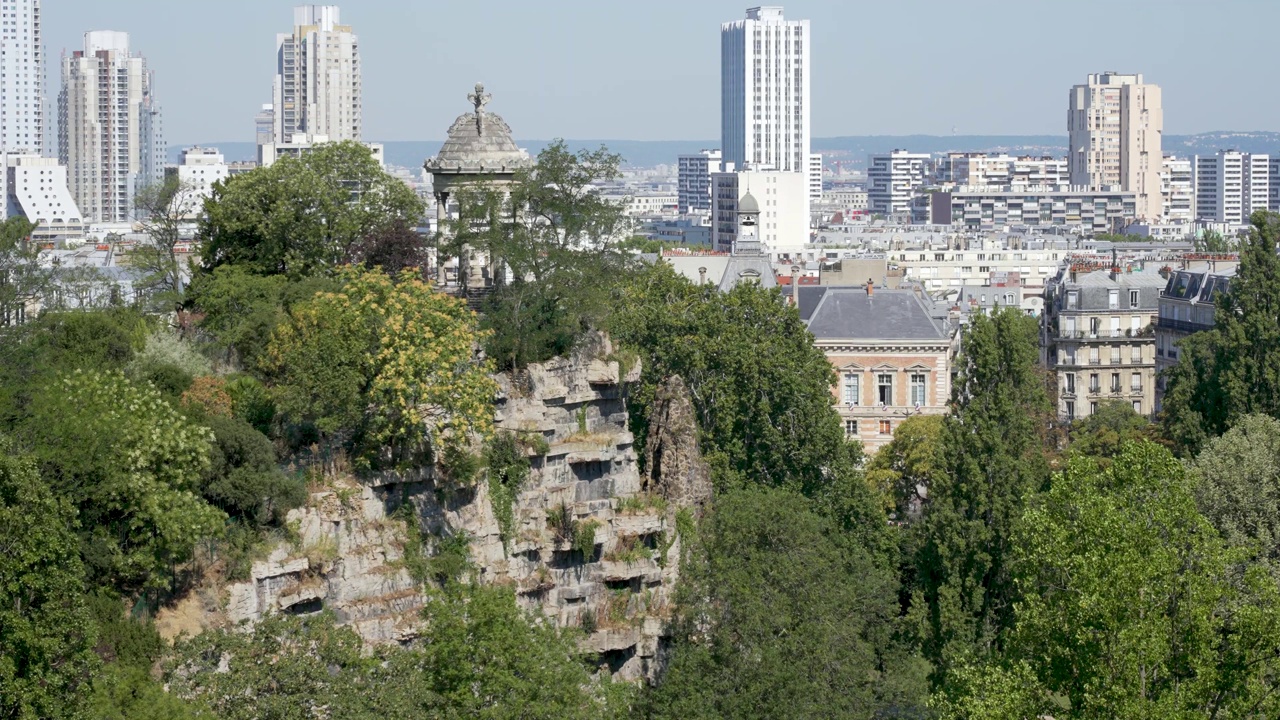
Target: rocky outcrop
591 544
674 466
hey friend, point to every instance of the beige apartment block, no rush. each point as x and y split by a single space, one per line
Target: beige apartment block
1115 124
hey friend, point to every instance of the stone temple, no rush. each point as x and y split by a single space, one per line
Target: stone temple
478 152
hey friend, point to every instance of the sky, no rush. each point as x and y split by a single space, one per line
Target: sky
602 69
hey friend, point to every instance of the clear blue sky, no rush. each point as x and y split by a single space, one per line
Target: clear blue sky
601 69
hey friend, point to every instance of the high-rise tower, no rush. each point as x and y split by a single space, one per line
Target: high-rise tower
22 78
764 87
109 131
1115 123
317 86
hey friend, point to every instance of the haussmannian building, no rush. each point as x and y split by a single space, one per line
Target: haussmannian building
1098 335
1186 307
891 353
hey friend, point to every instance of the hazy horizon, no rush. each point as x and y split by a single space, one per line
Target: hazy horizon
568 68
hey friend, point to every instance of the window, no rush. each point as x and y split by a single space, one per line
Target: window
886 427
850 428
1094 357
1133 298
918 389
852 396
1094 385
1115 356
1071 410
1113 299
885 382
1093 408
1069 327
1115 382
1094 324
1073 299
1135 382
1071 383
1137 406
1135 354
1135 325
1115 327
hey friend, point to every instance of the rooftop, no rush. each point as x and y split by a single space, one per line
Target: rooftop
855 314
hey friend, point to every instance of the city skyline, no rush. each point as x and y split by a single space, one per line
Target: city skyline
986 68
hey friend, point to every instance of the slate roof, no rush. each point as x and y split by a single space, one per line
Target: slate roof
851 314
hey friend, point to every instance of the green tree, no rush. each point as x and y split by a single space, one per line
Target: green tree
164 208
1232 370
303 216
992 459
560 240
761 390
132 465
1104 433
392 365
46 631
22 278
1212 241
243 479
901 470
1238 486
778 616
1132 606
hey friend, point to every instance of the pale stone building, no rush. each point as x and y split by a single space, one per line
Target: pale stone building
1115 123
891 351
317 86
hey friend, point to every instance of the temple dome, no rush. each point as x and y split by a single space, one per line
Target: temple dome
748 204
479 142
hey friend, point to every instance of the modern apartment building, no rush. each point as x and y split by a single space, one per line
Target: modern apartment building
1186 307
894 178
36 188
299 145
1177 188
764 112
110 137
1000 169
815 177
988 208
1231 185
317 86
1115 123
22 77
693 178
784 221
1099 339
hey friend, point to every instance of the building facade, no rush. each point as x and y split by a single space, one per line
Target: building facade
197 171
693 178
892 357
1178 189
1115 123
36 188
784 220
22 79
765 70
893 179
1230 186
1186 307
815 177
317 86
110 135
988 208
1099 339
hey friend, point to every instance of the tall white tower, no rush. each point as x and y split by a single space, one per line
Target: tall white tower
317 87
109 126
764 85
22 79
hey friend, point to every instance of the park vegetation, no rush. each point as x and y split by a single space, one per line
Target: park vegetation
987 564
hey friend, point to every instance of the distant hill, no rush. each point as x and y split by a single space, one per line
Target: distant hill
851 150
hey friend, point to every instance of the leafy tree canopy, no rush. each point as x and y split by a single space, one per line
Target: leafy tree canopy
779 617
1238 486
303 216
1232 370
46 632
392 366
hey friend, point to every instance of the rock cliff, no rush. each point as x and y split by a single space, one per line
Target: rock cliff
591 543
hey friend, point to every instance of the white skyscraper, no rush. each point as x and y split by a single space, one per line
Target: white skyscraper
1231 185
1115 123
317 86
109 130
22 76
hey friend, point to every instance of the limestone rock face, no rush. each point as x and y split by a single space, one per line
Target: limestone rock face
674 465
588 484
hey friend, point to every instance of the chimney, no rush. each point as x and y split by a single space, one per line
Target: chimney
795 286
702 276
870 287
1115 266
